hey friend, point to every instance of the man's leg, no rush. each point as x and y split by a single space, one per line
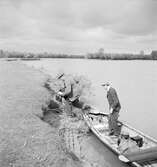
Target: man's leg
110 123
115 116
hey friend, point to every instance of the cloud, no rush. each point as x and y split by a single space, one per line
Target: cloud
78 23
140 18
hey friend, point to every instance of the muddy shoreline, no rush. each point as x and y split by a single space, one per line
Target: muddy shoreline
25 140
69 123
30 138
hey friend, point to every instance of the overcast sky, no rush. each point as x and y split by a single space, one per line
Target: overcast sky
78 26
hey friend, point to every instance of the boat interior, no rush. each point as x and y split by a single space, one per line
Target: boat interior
130 142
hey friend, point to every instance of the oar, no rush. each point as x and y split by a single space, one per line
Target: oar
60 76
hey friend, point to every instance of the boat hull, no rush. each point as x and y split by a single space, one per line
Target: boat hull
128 150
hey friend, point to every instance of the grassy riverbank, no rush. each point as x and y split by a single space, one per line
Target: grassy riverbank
25 140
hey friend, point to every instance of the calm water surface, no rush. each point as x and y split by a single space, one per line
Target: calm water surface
135 82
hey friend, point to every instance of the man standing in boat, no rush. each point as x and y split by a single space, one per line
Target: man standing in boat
114 108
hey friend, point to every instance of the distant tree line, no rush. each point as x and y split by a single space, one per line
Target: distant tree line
6 54
51 55
154 54
98 55
110 56
122 56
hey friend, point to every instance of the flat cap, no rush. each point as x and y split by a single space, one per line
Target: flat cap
105 84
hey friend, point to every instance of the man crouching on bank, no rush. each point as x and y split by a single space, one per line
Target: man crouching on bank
114 108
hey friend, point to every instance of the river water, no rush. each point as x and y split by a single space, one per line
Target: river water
135 82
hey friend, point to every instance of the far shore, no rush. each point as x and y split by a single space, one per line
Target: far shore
101 55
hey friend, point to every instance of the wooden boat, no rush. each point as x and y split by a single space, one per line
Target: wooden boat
29 59
11 59
131 146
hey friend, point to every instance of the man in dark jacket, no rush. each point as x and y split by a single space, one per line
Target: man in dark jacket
114 108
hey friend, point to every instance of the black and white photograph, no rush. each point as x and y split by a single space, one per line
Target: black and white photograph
78 83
